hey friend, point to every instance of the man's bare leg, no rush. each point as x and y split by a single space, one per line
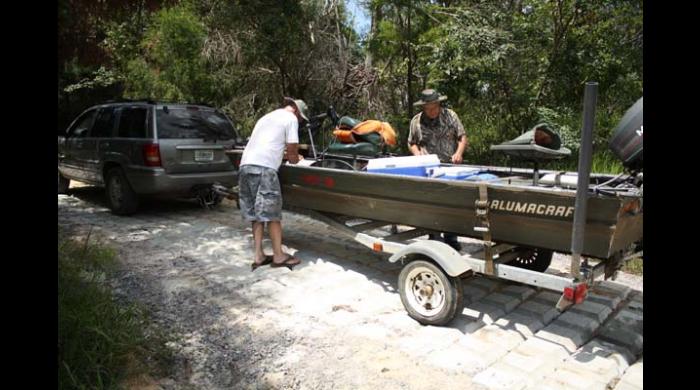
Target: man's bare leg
275 229
257 239
279 257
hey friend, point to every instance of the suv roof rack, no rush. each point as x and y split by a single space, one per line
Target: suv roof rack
144 100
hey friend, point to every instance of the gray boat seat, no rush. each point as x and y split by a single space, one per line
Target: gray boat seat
540 143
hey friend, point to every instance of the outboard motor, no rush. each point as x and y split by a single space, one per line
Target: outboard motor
627 140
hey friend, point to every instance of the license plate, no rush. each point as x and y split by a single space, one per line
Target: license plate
203 155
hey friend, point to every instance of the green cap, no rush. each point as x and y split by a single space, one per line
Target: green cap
300 105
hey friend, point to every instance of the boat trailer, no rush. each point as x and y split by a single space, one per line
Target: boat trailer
430 283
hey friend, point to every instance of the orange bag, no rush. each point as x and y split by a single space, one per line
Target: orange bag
344 136
373 126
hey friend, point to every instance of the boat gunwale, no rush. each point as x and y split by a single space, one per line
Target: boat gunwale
473 185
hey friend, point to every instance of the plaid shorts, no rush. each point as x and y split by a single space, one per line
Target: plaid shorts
260 195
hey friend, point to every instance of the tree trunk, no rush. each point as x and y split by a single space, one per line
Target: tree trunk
409 71
376 15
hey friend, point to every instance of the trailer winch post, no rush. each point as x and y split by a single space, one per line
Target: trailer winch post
584 171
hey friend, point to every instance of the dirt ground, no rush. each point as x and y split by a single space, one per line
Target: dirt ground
336 321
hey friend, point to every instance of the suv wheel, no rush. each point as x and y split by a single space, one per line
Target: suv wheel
63 184
122 198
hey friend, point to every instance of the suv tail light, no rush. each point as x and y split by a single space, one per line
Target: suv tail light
151 155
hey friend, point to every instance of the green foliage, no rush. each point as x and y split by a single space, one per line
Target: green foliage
170 67
102 77
634 267
505 66
101 342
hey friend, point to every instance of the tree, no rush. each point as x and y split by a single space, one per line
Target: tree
505 66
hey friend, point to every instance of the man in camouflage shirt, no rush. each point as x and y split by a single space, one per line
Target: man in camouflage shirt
437 130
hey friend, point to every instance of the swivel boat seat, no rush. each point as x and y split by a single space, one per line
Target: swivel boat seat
537 146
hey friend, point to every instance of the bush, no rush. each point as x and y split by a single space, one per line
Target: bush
100 343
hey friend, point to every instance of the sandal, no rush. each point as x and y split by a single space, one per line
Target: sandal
289 262
267 260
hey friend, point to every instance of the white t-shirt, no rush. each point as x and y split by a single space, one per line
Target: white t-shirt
270 135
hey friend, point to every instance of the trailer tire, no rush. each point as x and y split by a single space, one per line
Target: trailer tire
423 284
534 259
63 184
121 197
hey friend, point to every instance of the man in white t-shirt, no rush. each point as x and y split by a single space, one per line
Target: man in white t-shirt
260 195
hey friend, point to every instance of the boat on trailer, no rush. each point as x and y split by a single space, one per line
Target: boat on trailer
521 216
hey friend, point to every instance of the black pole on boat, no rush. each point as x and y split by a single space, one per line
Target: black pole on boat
311 140
584 172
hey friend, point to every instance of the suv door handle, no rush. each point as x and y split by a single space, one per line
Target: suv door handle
104 144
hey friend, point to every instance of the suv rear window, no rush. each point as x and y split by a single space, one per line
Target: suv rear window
176 122
132 122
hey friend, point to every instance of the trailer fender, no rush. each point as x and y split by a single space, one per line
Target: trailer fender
444 255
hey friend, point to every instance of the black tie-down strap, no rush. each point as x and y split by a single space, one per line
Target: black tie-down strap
482 225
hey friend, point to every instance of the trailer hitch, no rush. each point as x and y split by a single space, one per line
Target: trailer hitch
211 195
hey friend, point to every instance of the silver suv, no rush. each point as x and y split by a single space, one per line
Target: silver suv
147 148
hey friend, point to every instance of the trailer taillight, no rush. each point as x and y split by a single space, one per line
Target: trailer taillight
151 155
576 294
580 293
569 293
632 207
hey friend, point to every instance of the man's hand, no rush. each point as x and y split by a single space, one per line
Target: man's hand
417 150
461 147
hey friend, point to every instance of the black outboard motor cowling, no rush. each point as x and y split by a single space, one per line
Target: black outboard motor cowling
627 141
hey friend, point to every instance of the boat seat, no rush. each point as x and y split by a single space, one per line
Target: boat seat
373 138
351 130
358 149
539 144
347 122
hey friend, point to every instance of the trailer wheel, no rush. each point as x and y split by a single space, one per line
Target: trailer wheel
535 259
429 295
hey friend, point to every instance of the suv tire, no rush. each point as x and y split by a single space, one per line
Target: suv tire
121 197
63 184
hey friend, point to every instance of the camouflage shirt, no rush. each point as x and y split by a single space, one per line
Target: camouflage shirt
437 136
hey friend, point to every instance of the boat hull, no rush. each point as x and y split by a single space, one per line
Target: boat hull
520 215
